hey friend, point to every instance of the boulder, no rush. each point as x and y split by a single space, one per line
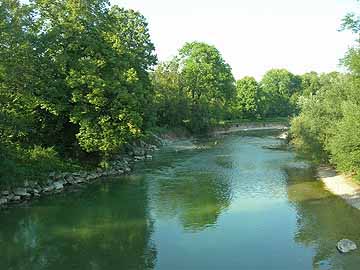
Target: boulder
58 185
21 192
70 180
3 201
138 158
139 152
346 245
16 198
79 180
5 193
49 188
10 197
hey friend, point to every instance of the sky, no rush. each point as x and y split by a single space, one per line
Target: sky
253 36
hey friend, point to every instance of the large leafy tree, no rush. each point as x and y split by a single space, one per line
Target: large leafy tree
171 100
94 84
208 80
247 97
280 90
18 68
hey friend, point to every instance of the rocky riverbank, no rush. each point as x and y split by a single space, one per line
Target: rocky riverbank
250 127
340 185
61 182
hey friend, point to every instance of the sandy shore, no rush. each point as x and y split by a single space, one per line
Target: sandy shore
340 185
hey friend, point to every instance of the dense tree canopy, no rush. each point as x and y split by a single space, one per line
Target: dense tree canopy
195 89
88 74
77 81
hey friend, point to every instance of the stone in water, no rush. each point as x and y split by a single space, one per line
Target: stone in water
346 245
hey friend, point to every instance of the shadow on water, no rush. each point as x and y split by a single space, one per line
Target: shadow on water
189 186
322 220
103 227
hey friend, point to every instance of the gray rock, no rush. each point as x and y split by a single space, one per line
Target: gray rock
149 157
139 152
58 185
21 192
49 188
5 193
71 180
10 197
16 198
79 180
138 158
3 201
346 245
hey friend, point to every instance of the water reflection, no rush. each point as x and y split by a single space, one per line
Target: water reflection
197 198
233 204
97 229
188 185
322 220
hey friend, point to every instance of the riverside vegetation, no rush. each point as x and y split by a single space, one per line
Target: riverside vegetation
80 82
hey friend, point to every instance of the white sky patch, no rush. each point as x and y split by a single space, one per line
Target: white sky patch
253 36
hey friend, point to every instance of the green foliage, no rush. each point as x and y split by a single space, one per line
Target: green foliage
310 83
195 89
247 101
328 125
19 165
280 91
74 78
313 127
329 122
208 80
344 145
172 103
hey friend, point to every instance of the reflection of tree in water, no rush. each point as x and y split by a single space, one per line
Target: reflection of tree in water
322 220
197 198
110 231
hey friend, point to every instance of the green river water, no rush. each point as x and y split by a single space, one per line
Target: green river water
229 203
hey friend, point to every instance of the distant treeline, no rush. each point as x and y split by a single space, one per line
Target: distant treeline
80 79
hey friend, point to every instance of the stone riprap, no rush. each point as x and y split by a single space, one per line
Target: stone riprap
59 182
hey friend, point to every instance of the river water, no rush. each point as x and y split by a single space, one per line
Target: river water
224 203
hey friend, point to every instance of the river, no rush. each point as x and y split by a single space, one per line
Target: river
223 203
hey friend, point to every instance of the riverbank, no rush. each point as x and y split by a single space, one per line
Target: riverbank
340 185
58 182
250 127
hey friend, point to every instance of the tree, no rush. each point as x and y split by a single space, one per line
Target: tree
207 79
98 87
280 90
310 83
247 97
171 100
